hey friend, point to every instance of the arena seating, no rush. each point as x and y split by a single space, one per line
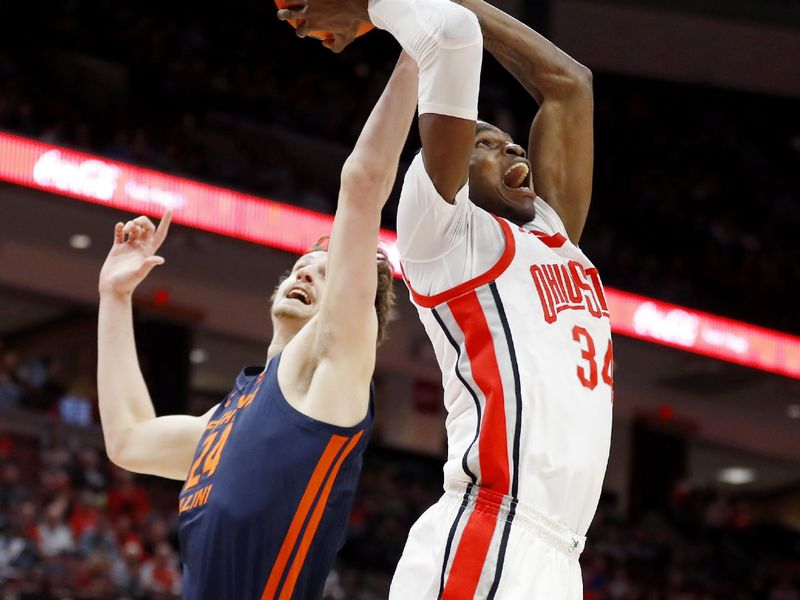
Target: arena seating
74 526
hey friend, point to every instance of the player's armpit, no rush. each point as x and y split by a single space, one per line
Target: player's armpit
163 446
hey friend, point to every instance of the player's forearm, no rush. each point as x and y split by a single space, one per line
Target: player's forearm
543 69
374 159
448 55
122 393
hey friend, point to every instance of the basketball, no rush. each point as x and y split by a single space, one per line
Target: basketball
321 35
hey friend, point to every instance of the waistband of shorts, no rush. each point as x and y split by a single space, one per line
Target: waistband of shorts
510 509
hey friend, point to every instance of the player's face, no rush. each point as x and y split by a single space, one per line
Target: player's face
500 176
298 297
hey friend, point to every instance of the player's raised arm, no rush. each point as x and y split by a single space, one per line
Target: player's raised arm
561 144
445 41
135 438
347 321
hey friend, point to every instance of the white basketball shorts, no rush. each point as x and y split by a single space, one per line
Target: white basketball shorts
475 544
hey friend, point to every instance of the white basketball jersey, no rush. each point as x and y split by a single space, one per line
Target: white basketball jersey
526 359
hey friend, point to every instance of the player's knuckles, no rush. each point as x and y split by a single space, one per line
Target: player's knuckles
286 14
144 222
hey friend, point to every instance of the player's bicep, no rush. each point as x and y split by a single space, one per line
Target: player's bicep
163 446
447 144
561 149
347 321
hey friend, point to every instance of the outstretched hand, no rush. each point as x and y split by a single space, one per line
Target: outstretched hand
133 254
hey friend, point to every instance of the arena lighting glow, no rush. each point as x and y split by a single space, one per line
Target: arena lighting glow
703 333
198 356
736 475
80 241
137 190
143 191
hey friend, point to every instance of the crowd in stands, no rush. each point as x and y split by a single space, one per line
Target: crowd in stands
696 196
73 526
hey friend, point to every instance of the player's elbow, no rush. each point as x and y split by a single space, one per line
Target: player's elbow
459 33
567 81
118 449
364 186
116 453
584 80
576 82
460 29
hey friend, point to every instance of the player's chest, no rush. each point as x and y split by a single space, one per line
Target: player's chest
219 448
561 284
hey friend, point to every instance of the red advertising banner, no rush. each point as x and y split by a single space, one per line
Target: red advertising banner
703 333
143 191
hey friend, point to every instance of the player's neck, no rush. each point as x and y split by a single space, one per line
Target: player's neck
283 332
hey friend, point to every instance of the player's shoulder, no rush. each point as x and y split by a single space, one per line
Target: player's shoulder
418 183
546 219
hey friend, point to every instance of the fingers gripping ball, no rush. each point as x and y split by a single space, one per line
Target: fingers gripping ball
320 35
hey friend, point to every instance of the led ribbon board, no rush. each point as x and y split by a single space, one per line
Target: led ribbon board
143 191
704 333
137 190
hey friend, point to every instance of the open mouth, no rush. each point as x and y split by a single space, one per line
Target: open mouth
517 177
299 295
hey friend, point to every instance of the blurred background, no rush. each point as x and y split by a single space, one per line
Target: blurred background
696 205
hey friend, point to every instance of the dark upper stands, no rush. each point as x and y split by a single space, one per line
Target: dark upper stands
696 195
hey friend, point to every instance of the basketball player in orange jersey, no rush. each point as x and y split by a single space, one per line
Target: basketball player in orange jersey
515 311
270 473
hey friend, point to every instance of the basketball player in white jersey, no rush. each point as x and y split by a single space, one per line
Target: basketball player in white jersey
520 327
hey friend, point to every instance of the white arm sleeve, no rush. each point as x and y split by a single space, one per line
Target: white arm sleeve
446 42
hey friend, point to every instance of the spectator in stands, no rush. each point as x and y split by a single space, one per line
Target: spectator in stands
98 538
87 472
126 571
76 406
125 532
84 513
126 497
53 533
160 573
17 547
12 492
11 390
